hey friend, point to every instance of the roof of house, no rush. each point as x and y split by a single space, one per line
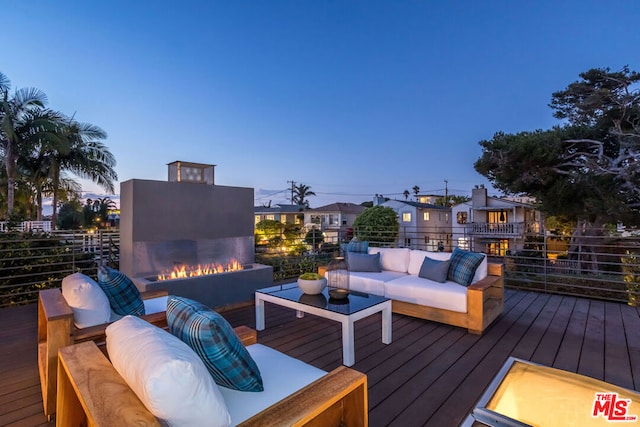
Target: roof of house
279 208
420 205
345 208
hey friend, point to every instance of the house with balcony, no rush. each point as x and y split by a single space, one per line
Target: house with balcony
494 225
334 220
423 226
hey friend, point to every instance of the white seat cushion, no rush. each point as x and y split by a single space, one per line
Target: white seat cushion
413 289
282 375
87 300
371 283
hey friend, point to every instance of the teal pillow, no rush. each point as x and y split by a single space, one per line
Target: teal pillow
434 270
124 297
463 265
214 340
358 246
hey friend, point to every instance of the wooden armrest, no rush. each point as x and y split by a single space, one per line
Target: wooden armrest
91 392
53 304
486 283
338 398
247 335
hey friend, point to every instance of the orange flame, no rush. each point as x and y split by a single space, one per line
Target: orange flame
183 271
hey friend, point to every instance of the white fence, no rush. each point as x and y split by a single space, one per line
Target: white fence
26 226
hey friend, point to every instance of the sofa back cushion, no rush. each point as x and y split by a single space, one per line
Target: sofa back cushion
416 258
87 300
393 259
214 340
364 262
166 375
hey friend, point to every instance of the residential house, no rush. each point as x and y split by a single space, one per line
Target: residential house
334 220
422 225
493 225
286 214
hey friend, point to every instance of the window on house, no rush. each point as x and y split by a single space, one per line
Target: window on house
446 217
344 222
497 217
463 243
407 242
271 217
257 219
497 248
461 217
406 217
425 216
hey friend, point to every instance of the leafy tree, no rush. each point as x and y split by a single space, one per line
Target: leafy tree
588 169
20 122
300 194
71 216
378 225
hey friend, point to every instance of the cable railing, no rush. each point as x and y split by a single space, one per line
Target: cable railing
605 265
34 260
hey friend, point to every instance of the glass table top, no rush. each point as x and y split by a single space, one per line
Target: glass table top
355 302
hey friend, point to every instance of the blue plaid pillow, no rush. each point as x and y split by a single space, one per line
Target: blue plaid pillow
463 266
213 339
358 246
123 295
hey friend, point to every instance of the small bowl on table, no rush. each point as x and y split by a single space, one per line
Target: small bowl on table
338 293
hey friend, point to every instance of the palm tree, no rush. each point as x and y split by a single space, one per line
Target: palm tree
20 123
87 157
300 194
406 194
416 191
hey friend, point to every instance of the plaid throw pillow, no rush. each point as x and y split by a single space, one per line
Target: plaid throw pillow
358 246
463 266
123 295
213 339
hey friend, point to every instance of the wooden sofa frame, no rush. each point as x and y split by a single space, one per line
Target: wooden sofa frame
56 330
485 302
91 392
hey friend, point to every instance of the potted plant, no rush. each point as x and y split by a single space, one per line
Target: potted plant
312 283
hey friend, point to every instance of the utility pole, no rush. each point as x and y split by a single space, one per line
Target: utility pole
446 193
293 184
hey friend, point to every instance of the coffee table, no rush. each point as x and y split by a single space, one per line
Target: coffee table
357 306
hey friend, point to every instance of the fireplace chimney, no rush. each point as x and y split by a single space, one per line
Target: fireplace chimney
200 173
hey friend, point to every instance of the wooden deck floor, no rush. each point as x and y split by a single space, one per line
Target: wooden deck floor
431 375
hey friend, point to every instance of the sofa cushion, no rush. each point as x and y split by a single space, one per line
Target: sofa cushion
434 270
282 375
463 266
364 262
448 295
166 375
393 259
358 246
214 340
416 258
123 295
87 300
371 283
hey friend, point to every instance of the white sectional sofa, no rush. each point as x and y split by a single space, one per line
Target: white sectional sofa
473 307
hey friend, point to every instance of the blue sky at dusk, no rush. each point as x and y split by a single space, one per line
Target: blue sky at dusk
353 98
